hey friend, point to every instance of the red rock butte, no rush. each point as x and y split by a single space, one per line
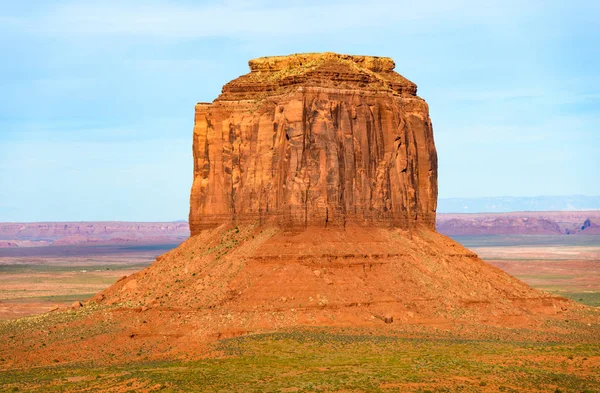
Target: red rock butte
313 202
315 140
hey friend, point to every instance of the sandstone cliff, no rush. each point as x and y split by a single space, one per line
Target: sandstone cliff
340 149
315 139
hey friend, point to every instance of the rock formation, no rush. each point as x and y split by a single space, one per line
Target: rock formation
339 149
315 139
313 204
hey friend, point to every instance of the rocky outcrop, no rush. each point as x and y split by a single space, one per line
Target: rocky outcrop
315 140
7 244
589 227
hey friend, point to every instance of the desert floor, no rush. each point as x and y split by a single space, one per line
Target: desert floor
321 359
568 266
346 361
39 279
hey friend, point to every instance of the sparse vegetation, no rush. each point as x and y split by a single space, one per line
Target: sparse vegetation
318 360
439 360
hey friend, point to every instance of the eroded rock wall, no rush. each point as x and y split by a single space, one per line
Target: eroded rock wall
315 154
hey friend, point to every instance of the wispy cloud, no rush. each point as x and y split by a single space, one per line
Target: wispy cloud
227 19
156 128
555 129
555 95
492 95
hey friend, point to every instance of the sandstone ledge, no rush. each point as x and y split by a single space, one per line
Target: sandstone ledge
278 74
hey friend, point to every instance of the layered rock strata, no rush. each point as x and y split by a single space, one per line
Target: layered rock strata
315 140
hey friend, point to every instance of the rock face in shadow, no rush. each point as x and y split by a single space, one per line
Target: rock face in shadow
315 140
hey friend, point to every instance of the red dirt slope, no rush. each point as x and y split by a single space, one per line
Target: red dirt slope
330 277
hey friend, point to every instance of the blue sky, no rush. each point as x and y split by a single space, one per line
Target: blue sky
96 110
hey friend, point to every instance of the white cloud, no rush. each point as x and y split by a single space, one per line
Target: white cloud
492 95
555 129
555 95
235 19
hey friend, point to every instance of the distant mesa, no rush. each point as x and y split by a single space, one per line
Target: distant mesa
520 223
43 234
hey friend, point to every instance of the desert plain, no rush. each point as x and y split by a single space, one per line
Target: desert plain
317 262
39 285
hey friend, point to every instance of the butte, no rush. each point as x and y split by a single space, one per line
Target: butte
313 203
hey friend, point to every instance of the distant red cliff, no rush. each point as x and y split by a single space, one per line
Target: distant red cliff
66 233
520 223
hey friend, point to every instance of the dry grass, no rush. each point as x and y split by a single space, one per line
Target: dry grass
324 361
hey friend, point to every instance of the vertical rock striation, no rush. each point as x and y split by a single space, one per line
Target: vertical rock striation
315 140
